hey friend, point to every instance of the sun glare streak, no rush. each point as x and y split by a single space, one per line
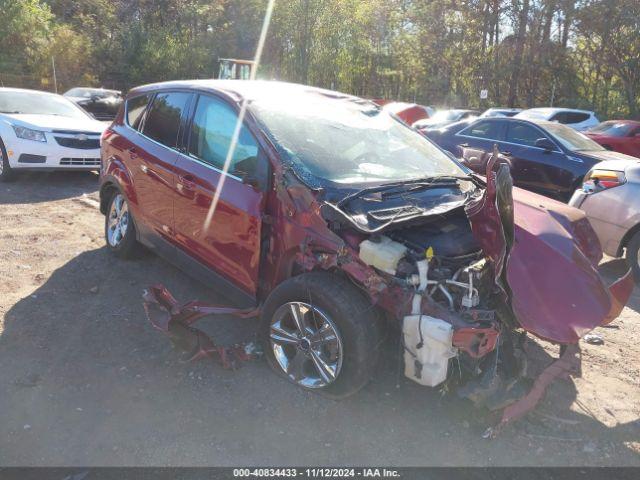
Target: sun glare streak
243 109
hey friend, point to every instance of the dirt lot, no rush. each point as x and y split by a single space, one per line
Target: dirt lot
84 380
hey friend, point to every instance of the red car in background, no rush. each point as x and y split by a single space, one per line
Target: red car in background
409 113
618 135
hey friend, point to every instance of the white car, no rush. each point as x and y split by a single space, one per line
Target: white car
576 119
40 130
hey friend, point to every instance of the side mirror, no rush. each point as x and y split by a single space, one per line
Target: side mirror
252 181
545 143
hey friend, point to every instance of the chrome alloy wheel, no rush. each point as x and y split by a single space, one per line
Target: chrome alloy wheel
306 344
1 161
118 220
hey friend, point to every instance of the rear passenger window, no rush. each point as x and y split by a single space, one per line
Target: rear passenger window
523 134
488 130
135 109
570 117
576 117
163 119
213 125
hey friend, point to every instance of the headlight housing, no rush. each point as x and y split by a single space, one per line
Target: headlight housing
598 179
29 134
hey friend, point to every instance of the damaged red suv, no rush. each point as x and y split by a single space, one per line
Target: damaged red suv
335 222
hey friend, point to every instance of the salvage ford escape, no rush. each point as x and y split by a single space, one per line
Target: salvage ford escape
337 221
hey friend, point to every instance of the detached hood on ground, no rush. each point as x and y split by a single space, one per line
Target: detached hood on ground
550 268
56 122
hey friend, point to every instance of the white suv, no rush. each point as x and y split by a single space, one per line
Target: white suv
576 119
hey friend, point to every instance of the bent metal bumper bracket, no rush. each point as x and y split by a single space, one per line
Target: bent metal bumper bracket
175 320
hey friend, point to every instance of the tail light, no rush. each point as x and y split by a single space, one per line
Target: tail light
597 180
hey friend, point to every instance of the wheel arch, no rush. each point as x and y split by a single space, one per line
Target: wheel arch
627 237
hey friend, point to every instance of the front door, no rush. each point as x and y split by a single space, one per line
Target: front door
230 244
533 168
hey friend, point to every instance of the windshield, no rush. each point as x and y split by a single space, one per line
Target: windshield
444 115
533 114
88 93
499 113
613 129
571 139
35 103
343 141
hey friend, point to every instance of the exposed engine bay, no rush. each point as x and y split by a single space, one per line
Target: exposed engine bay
442 263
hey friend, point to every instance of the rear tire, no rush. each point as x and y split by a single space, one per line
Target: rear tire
633 255
327 303
7 174
119 228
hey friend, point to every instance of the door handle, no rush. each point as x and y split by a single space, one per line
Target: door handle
464 145
186 182
133 153
506 154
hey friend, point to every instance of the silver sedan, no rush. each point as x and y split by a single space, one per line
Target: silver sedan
610 196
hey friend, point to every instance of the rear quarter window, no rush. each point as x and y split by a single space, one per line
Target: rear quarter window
489 130
135 109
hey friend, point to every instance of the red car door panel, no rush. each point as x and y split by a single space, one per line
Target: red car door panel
152 157
152 169
231 244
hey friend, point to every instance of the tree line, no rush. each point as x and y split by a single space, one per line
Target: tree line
525 53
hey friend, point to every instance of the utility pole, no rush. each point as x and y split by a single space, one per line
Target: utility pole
55 80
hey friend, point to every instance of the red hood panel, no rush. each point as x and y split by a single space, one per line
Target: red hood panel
557 293
555 289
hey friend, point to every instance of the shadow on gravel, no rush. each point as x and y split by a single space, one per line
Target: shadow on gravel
86 381
36 187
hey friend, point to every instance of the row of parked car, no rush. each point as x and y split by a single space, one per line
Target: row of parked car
332 217
618 135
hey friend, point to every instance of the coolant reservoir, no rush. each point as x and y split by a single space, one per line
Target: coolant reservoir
426 357
383 254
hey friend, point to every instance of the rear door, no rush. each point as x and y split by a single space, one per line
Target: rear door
533 168
230 246
152 158
475 143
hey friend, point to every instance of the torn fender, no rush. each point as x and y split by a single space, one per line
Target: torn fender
549 269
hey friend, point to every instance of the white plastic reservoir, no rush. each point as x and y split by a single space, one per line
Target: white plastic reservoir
383 254
426 359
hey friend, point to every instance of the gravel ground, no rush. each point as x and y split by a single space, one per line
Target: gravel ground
85 380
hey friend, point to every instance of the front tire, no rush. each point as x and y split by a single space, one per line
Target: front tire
633 255
7 173
321 333
119 229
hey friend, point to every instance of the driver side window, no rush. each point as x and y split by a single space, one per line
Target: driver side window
211 133
523 134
